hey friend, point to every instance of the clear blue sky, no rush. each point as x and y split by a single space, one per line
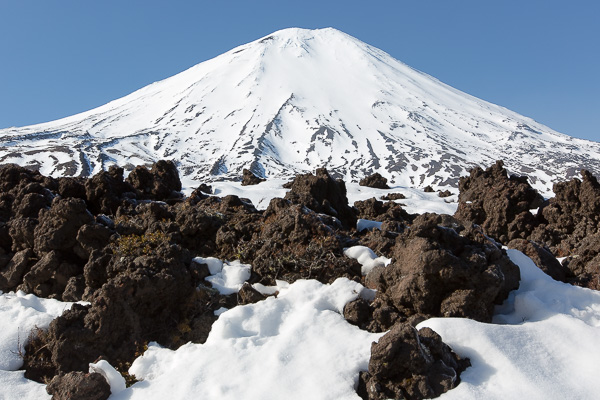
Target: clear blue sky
538 58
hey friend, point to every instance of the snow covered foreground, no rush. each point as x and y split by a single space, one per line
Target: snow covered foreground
544 344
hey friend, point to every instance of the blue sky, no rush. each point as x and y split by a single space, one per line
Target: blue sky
538 58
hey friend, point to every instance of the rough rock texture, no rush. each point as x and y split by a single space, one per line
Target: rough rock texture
161 182
296 243
406 364
393 196
322 194
105 191
374 181
428 189
79 386
437 272
445 193
542 257
500 204
248 178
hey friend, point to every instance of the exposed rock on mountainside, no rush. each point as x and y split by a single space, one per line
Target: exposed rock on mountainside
374 181
341 104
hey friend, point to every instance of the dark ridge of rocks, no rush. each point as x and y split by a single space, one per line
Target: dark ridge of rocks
428 189
127 246
445 193
568 225
406 364
322 194
375 210
393 196
79 386
497 202
374 181
248 178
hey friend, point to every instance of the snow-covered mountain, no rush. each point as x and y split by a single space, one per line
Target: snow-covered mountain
294 101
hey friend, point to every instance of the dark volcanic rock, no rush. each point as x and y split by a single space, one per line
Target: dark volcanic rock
59 225
445 193
406 364
248 178
542 257
498 203
393 196
322 194
374 181
437 272
375 210
294 243
79 386
105 191
12 274
161 182
428 189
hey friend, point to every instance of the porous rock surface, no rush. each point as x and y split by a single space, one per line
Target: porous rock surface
374 181
410 364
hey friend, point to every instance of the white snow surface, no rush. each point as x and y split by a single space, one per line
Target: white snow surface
544 344
295 346
294 101
367 258
112 376
228 276
19 314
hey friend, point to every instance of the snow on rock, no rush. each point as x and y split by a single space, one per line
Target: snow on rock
295 346
362 224
112 376
19 314
545 343
227 277
366 258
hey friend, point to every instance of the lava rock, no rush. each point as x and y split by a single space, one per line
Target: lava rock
406 364
542 257
393 196
323 194
374 181
161 182
428 189
437 272
249 178
79 386
498 203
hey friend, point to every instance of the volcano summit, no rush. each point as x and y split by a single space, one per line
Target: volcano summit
294 101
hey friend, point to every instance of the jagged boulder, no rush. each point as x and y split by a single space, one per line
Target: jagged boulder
58 226
497 202
438 272
79 386
374 181
393 196
161 182
249 178
106 191
322 194
294 243
406 364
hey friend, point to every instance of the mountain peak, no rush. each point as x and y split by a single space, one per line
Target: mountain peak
294 101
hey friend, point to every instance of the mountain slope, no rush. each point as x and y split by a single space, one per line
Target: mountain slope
294 101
